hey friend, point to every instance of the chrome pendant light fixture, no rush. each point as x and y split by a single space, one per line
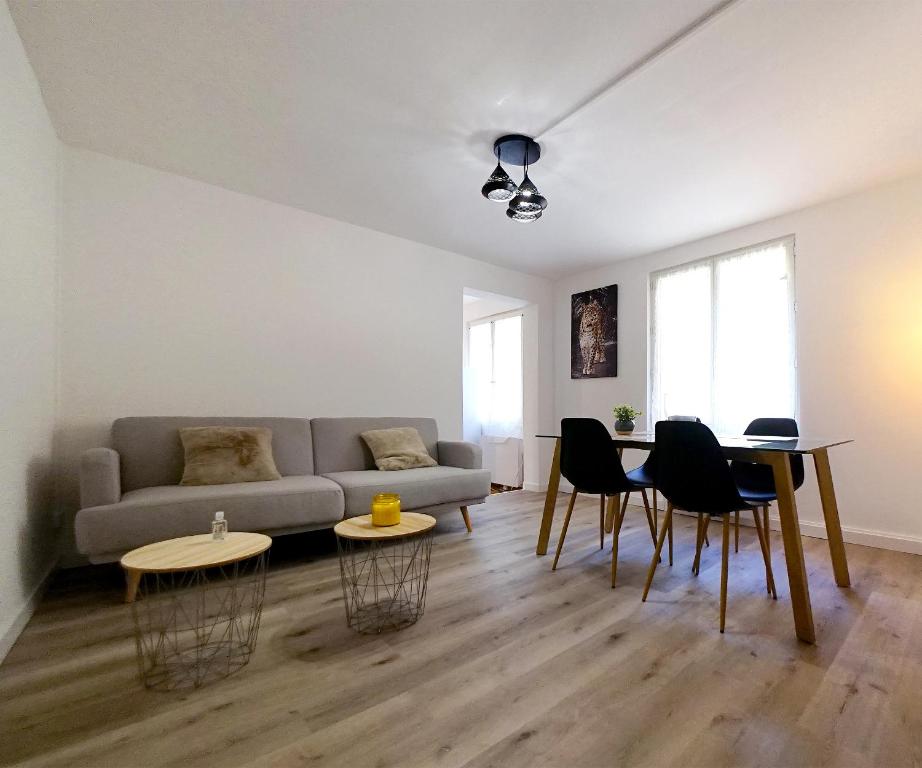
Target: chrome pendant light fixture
526 204
499 187
522 217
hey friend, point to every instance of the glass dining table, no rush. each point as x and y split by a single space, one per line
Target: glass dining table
775 452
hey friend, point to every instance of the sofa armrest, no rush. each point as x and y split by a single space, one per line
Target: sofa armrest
460 454
100 482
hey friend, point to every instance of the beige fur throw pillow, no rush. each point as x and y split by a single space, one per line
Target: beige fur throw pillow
398 448
220 455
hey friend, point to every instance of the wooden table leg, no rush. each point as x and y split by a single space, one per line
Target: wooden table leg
831 515
550 501
793 545
612 513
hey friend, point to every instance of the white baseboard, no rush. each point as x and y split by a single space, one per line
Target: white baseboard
536 487
867 538
879 539
11 634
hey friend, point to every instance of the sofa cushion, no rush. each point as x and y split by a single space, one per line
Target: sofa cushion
425 487
397 448
166 512
338 444
223 455
151 452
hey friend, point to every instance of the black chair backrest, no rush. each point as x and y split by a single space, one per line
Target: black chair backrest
650 463
589 457
781 427
691 470
758 475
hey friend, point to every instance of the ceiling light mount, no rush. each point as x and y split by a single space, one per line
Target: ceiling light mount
526 204
517 149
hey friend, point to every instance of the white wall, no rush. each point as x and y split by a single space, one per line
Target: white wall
29 157
184 298
859 335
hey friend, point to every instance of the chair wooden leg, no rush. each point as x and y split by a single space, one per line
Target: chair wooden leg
646 506
670 535
602 521
467 519
724 564
767 530
703 522
616 532
736 531
769 576
698 541
667 526
620 510
614 551
655 511
651 520
563 531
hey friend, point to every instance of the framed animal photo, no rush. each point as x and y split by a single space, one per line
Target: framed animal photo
594 333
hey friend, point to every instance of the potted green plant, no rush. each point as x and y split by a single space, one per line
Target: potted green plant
624 418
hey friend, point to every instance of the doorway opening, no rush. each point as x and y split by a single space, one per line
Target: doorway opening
494 384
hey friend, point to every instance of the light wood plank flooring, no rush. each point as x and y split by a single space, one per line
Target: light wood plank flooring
511 665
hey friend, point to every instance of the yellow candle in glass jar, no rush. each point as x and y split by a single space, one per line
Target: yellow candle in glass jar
385 509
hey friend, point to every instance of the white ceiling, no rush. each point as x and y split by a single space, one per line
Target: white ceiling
383 112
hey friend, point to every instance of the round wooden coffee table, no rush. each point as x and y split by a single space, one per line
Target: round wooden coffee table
385 570
200 603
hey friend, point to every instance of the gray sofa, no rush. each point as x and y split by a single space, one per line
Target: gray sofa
130 493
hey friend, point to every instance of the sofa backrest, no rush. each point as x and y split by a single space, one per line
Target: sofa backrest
338 445
151 452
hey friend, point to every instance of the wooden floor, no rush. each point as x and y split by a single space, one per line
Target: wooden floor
511 665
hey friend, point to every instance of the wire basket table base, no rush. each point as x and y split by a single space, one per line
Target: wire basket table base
384 581
193 627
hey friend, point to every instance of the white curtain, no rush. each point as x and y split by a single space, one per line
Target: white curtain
495 361
722 335
681 344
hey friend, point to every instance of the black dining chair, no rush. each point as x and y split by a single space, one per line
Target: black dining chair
643 477
693 475
590 462
756 482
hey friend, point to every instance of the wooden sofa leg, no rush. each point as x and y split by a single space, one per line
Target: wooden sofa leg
467 519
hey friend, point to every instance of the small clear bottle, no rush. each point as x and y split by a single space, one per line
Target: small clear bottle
218 526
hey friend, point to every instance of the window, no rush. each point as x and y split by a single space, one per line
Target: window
495 360
722 338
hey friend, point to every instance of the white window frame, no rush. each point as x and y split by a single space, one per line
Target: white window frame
791 243
493 319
